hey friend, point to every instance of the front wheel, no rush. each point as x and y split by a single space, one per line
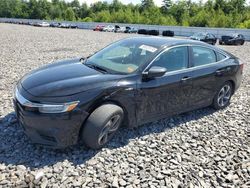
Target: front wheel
223 96
102 125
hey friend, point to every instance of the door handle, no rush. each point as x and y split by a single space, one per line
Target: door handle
221 71
186 78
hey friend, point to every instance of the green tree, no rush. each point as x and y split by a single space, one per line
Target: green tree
56 12
115 6
147 4
84 11
212 13
103 16
200 20
166 5
70 14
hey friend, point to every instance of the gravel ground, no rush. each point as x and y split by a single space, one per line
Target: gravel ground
202 148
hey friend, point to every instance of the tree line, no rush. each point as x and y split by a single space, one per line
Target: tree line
212 13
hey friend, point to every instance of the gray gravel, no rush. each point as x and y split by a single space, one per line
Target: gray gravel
202 148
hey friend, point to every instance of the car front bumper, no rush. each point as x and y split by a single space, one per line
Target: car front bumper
50 130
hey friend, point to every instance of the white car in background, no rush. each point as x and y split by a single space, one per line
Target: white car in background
43 24
109 28
119 29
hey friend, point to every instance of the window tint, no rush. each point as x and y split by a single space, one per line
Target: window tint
211 36
173 59
220 56
124 57
119 51
203 56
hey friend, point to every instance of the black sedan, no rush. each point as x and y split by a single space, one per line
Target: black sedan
131 82
235 39
205 37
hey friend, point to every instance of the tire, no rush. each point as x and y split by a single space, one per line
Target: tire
168 33
223 96
98 129
142 31
153 32
242 43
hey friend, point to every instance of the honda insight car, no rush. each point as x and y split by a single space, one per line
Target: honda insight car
130 82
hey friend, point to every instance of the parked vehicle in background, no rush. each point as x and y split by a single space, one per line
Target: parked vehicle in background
109 28
99 28
64 25
43 24
119 29
234 39
54 24
168 33
205 37
131 82
130 30
36 24
73 26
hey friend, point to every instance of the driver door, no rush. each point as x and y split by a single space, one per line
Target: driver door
163 96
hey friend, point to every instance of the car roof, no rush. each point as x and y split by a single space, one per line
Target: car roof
163 42
160 42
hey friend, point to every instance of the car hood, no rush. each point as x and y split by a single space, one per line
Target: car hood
65 78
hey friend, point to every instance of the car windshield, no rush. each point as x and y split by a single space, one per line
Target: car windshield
199 35
123 57
235 35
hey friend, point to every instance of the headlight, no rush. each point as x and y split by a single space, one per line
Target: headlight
57 108
46 108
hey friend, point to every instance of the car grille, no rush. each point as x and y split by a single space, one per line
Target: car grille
19 112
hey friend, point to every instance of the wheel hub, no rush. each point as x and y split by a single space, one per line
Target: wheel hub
111 126
224 95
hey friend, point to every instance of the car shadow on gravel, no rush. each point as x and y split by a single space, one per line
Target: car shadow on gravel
16 149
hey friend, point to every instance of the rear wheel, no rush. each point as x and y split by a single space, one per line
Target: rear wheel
102 125
223 96
242 42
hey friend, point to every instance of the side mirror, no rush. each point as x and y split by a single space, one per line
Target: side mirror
154 72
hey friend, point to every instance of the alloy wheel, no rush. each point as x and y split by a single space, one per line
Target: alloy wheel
110 127
224 95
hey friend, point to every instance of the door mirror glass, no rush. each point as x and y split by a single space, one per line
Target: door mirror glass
154 72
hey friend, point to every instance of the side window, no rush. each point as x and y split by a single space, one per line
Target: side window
173 59
203 56
220 56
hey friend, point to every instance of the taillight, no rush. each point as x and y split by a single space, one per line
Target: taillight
241 68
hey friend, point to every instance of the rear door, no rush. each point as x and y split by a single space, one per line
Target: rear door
207 75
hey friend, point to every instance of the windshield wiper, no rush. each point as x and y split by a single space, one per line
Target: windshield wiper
96 67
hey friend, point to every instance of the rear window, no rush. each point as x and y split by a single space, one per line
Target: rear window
220 56
203 56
